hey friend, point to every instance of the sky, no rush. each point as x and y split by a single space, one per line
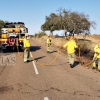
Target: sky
33 12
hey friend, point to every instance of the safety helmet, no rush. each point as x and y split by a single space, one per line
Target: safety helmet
26 34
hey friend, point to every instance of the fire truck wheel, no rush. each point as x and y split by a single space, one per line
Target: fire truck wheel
4 50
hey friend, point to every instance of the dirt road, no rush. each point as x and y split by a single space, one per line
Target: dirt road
30 81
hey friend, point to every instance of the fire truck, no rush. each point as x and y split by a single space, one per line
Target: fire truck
12 36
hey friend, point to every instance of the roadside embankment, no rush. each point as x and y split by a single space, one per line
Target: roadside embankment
86 46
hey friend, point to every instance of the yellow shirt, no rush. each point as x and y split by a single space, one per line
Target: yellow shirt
97 49
26 43
70 46
48 41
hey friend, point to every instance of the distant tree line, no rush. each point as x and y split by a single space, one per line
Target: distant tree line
72 22
40 34
2 23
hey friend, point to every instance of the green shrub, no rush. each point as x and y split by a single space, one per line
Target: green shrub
85 46
40 34
35 35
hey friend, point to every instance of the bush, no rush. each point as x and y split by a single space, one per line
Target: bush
85 46
40 34
35 35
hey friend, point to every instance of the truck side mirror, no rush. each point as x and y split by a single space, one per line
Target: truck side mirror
26 30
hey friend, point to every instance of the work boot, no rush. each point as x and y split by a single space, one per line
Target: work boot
48 51
71 66
94 67
28 60
25 61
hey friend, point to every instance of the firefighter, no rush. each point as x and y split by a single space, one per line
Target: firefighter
48 44
96 58
71 46
26 48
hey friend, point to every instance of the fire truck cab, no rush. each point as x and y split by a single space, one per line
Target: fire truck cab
12 36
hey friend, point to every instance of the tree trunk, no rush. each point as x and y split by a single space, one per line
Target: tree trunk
65 31
84 36
51 33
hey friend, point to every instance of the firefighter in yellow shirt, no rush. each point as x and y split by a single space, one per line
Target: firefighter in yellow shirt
97 57
48 44
70 47
26 48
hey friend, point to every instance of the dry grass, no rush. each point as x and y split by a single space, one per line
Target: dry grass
61 41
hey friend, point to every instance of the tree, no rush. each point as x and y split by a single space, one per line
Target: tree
72 22
49 24
2 23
